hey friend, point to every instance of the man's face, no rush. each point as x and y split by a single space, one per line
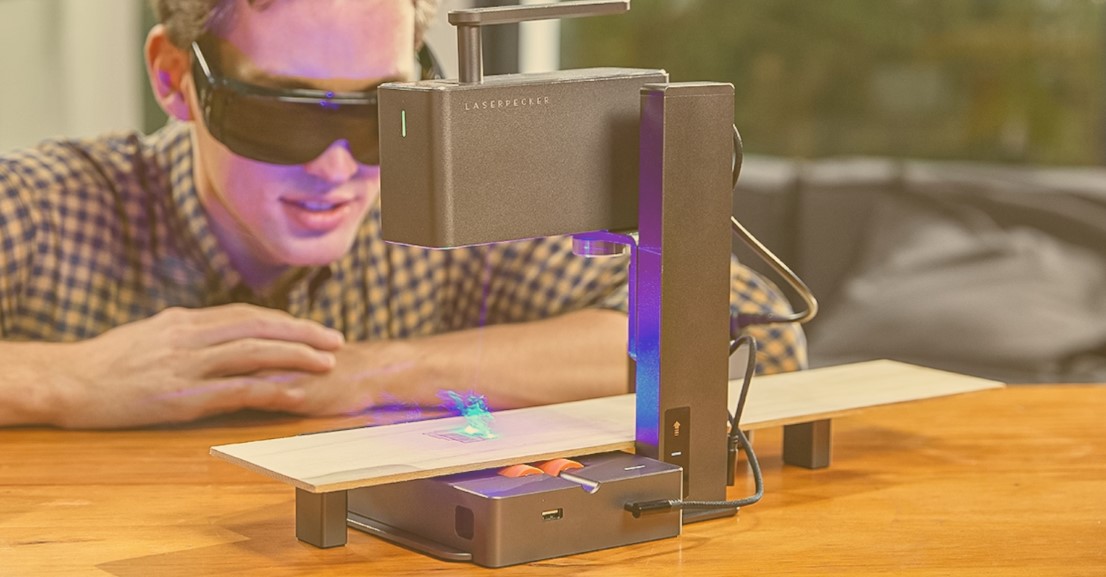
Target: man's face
271 216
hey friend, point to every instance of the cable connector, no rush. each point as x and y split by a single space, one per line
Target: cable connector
648 507
731 463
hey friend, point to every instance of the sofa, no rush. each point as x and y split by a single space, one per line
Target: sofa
996 271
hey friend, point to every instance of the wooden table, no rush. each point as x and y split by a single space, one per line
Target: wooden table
1006 482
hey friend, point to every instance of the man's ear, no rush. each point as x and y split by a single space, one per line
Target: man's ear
169 70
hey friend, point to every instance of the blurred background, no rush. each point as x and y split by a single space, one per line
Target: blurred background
1013 81
993 80
932 168
70 67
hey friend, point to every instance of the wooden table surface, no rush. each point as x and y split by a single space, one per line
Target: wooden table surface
1005 482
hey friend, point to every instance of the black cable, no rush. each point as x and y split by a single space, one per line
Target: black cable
743 320
736 437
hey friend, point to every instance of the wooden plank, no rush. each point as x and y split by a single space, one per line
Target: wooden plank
824 393
349 459
362 457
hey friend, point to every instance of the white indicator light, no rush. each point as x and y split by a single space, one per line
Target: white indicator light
403 118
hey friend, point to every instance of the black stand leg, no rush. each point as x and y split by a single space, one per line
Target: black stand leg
321 518
807 444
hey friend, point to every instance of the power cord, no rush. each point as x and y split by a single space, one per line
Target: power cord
743 320
736 437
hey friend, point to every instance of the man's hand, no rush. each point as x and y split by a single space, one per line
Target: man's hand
365 375
184 364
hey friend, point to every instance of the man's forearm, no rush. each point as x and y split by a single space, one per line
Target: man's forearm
110 382
574 356
28 387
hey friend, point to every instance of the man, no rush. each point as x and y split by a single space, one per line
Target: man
167 278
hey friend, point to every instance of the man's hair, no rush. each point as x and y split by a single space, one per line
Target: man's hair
186 20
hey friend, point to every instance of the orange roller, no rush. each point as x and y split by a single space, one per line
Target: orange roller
557 466
522 470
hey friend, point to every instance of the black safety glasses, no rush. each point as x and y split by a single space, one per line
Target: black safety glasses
289 125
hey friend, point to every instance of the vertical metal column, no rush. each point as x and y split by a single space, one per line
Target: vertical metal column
682 307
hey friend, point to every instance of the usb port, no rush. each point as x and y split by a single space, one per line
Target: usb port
552 514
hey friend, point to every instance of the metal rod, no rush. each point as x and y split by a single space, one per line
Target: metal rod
515 14
468 22
469 55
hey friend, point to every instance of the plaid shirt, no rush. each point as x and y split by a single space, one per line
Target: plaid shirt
100 232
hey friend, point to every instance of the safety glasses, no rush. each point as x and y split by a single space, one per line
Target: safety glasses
288 125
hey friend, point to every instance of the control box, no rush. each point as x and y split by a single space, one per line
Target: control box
495 521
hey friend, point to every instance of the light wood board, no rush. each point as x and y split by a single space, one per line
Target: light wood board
341 460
